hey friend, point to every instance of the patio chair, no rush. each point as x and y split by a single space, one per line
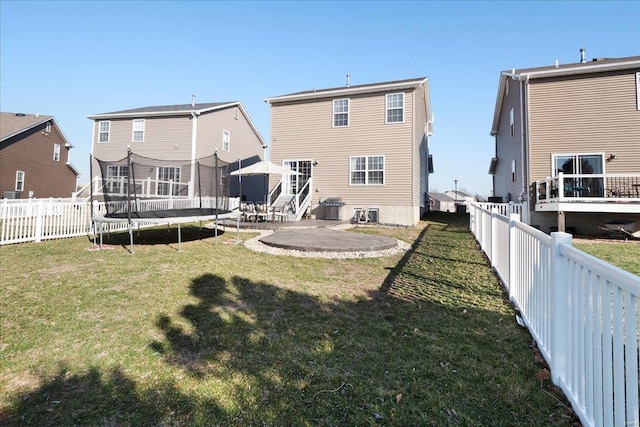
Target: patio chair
247 211
261 212
280 214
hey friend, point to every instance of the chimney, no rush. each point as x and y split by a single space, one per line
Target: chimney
348 78
583 53
193 100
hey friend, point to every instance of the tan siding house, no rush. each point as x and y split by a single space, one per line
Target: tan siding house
34 158
366 145
576 144
182 132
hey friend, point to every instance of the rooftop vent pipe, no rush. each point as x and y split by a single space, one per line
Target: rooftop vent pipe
193 100
348 78
583 53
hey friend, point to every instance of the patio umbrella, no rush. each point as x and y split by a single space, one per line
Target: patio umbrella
264 168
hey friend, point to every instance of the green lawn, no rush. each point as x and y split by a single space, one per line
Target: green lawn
624 254
220 335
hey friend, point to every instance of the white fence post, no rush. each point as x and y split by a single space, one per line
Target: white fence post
560 318
494 236
513 248
39 214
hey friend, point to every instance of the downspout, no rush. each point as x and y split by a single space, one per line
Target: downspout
523 86
93 142
194 139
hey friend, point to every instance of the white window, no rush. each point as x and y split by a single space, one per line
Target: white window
512 122
48 127
137 134
117 178
577 168
168 181
395 108
20 180
103 131
56 152
366 170
513 171
340 112
226 140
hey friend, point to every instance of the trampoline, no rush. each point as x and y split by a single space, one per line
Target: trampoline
139 191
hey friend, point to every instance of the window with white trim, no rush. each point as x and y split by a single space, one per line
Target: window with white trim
137 133
513 171
56 152
20 175
578 168
340 112
395 108
512 122
117 177
104 129
168 181
226 140
366 170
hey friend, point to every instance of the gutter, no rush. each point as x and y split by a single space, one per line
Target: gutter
344 91
159 113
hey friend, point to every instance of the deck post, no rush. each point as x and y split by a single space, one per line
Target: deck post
561 222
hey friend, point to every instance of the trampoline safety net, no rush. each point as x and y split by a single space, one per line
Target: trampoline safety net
142 187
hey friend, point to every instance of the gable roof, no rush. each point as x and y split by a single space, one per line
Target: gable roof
348 90
165 110
178 110
597 65
12 124
441 197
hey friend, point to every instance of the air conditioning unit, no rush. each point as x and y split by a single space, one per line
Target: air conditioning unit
11 195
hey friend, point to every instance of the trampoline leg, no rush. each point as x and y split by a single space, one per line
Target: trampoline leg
131 236
101 231
179 239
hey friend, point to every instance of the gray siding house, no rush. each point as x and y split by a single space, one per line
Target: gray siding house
567 141
441 202
182 132
364 148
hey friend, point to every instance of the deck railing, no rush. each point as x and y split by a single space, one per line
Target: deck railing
584 314
589 188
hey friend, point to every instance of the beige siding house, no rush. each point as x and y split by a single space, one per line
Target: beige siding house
567 140
366 145
182 132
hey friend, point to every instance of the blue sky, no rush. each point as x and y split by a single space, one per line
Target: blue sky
72 59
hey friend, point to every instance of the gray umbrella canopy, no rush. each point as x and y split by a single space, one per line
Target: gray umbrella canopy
264 167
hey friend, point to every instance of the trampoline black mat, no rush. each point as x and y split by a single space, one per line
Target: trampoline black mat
170 213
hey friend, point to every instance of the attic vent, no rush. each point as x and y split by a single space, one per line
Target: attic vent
20 114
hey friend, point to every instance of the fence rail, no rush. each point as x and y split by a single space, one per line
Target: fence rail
583 313
34 220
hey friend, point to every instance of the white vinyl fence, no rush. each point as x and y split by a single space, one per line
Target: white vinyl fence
34 220
584 314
